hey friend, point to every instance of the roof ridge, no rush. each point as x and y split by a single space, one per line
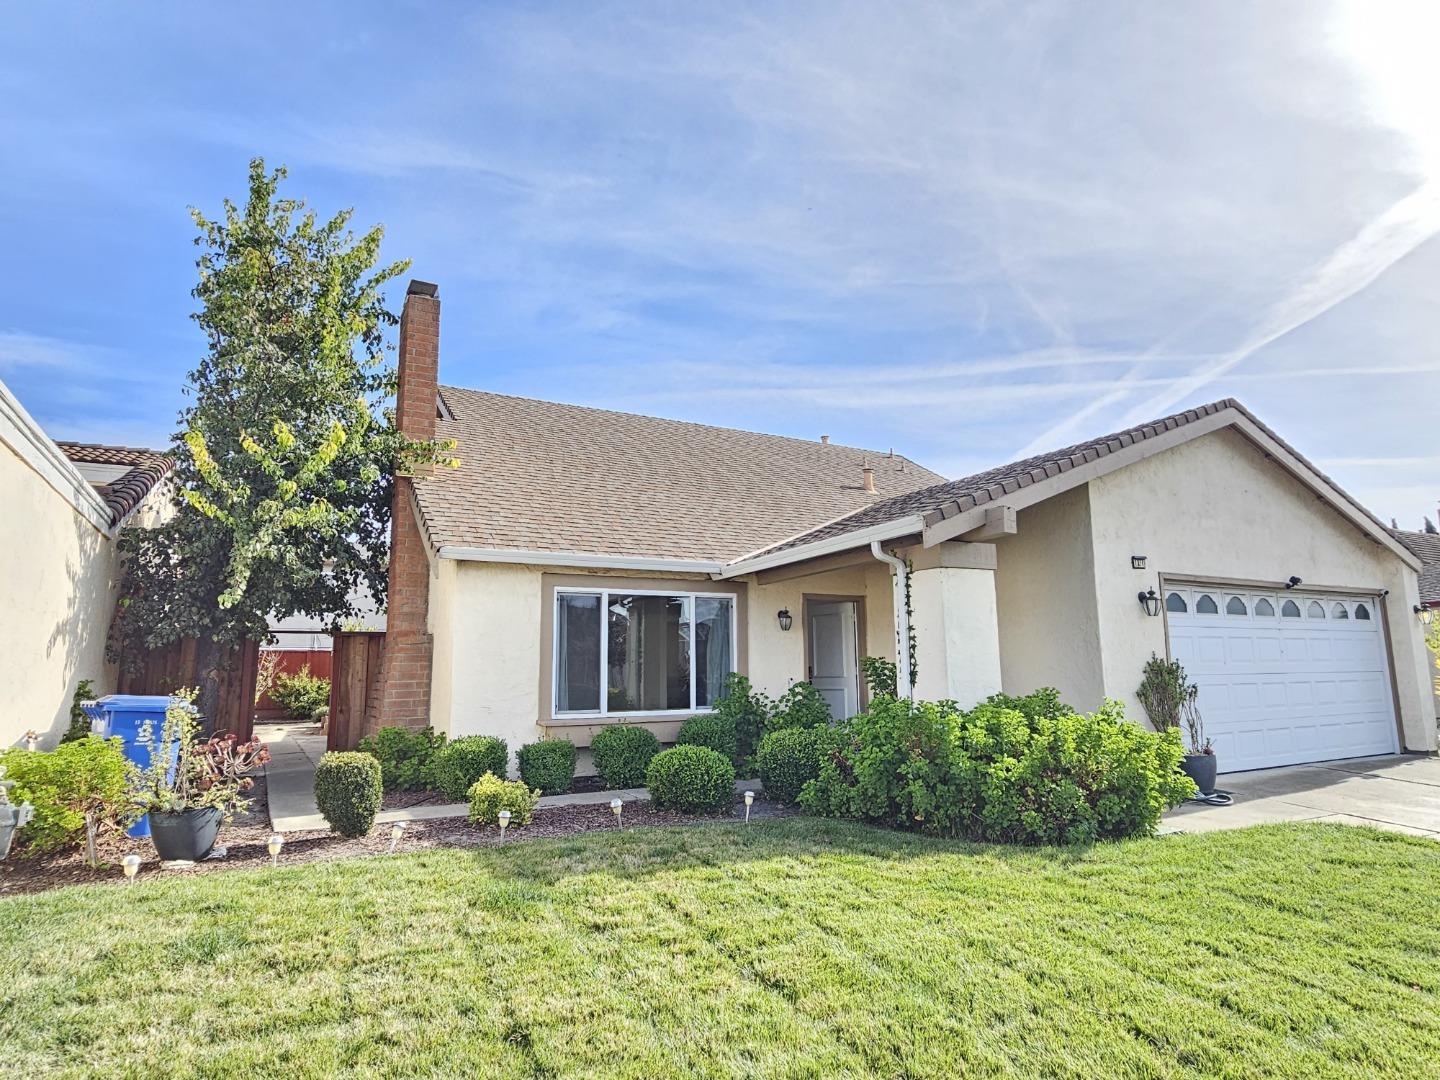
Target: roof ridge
881 454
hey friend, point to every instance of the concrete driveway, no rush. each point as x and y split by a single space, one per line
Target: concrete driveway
1398 792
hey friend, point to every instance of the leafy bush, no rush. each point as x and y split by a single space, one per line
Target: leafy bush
548 765
881 676
79 720
84 782
347 791
1018 770
712 730
789 759
801 706
622 754
303 696
748 711
404 755
459 763
691 778
490 794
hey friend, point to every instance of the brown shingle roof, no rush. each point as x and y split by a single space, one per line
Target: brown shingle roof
956 496
125 493
541 476
1426 547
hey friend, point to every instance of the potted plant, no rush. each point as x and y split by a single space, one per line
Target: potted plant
1170 700
189 787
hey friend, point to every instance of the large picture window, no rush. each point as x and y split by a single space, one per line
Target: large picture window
630 651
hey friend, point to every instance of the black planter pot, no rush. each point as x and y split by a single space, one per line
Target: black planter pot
188 835
1201 768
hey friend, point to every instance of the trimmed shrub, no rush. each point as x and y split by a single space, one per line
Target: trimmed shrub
404 755
691 778
303 696
347 791
459 763
712 730
548 766
788 760
622 754
84 779
1014 770
748 711
490 794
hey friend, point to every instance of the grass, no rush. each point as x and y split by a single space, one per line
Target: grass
796 949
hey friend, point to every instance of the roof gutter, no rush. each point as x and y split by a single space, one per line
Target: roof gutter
899 580
583 559
886 530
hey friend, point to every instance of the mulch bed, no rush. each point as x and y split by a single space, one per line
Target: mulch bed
245 838
403 800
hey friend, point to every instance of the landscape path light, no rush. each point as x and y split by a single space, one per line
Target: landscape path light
749 799
273 845
504 823
616 805
396 832
131 865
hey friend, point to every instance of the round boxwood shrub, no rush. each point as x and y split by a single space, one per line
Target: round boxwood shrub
548 765
622 754
787 760
404 755
490 794
458 764
348 791
693 778
710 729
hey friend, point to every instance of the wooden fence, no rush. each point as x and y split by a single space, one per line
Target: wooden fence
290 662
164 671
355 667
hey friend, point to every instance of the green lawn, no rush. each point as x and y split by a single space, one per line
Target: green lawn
798 948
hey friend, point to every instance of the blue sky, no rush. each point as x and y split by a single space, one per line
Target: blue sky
967 231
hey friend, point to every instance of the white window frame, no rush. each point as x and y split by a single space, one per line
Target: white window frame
604 595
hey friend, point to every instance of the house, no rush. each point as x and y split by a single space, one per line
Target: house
582 568
64 505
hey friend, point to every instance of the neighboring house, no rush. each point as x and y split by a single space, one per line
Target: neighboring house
1426 547
63 504
583 568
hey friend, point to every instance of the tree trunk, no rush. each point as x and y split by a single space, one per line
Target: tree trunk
210 661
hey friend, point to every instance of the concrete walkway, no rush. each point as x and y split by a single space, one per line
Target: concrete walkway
290 786
1399 792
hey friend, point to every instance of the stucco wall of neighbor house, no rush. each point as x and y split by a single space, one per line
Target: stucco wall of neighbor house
1045 597
1216 507
57 593
777 657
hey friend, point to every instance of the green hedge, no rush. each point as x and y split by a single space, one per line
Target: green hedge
490 794
348 791
691 778
1015 770
788 760
404 755
459 763
713 730
622 754
548 765
84 776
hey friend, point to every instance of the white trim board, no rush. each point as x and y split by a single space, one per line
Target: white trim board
20 432
582 559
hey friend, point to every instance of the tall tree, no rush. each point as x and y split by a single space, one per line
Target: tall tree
285 453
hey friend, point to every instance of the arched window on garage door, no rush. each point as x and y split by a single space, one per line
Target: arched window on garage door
1264 607
1290 610
1235 606
1206 605
1315 610
1339 611
1362 612
1175 602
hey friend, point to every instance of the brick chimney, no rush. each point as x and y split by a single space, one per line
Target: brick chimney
401 696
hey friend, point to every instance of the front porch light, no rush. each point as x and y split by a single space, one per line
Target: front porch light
784 616
1149 602
1137 562
1424 614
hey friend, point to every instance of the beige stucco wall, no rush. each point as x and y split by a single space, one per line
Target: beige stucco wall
57 582
1217 507
1045 594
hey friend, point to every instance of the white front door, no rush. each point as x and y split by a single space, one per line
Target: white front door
835 655
1285 677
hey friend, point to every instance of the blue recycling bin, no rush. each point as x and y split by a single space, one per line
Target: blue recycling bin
123 715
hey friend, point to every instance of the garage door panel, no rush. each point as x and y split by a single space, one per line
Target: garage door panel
1277 690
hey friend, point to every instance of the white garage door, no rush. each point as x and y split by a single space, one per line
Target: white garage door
1285 677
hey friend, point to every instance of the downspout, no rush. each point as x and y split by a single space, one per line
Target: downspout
899 577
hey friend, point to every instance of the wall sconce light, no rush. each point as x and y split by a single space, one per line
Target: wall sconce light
1137 562
784 616
1293 582
1149 602
1424 614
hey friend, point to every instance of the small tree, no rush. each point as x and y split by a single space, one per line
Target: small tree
284 456
1171 700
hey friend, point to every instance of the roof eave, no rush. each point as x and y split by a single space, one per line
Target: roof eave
888 530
